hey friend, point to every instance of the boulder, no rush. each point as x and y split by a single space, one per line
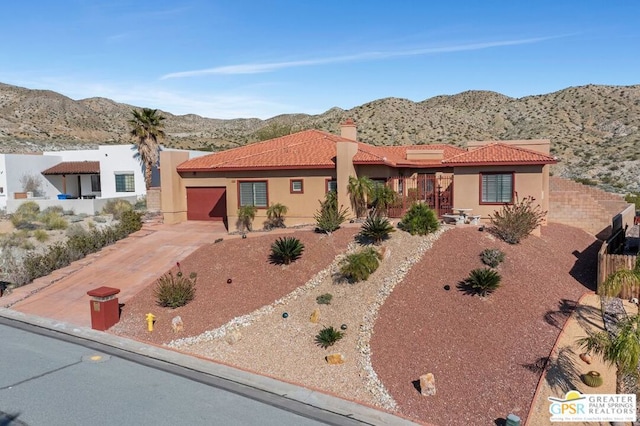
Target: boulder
427 384
315 316
335 359
176 324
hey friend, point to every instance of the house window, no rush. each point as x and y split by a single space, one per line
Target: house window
253 193
297 186
332 185
95 183
124 182
496 188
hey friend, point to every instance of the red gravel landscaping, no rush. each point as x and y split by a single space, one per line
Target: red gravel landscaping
479 348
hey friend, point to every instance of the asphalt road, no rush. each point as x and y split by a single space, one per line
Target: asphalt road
48 381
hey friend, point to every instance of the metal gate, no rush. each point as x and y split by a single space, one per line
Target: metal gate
436 191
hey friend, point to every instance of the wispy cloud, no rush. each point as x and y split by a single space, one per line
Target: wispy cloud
365 56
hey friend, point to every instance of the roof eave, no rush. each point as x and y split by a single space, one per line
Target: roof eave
238 169
501 163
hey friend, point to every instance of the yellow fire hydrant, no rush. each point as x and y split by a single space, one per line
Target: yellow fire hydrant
150 319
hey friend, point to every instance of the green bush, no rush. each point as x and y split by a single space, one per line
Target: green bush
275 215
492 257
286 250
358 266
324 299
130 222
633 198
376 229
419 220
52 220
25 215
482 281
246 215
382 197
117 207
40 235
516 221
173 291
328 336
330 216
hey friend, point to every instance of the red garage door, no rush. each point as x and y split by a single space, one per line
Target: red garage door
207 203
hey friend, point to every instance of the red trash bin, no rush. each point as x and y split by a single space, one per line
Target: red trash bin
105 310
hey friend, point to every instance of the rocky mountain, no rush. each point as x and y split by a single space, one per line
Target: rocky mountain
594 130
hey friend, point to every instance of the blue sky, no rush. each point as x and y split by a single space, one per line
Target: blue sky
233 59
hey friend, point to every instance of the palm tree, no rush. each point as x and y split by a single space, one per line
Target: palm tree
147 129
382 197
621 350
359 190
615 282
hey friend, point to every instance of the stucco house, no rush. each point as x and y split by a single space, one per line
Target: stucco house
79 180
297 170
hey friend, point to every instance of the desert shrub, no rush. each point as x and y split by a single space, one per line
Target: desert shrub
328 336
246 215
286 250
69 212
31 183
376 229
55 209
130 222
40 235
141 204
99 219
14 239
40 264
633 198
419 219
358 266
324 299
492 257
25 215
50 219
330 216
482 281
516 221
275 215
173 291
116 207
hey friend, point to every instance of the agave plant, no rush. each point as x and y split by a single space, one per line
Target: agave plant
286 250
483 281
376 229
328 336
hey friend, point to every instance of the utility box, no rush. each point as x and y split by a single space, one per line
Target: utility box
105 310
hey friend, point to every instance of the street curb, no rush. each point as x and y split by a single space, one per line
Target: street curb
303 395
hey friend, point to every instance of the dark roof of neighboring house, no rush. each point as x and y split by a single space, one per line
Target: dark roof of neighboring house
74 168
315 149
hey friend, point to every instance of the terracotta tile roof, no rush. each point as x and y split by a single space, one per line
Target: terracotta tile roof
314 149
74 168
498 154
307 149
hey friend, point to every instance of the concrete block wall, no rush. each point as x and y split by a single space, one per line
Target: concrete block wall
583 206
153 199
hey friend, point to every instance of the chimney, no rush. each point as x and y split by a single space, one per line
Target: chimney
348 130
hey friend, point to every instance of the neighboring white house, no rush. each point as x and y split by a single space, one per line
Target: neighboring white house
79 180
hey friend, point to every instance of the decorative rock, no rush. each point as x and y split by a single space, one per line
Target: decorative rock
285 315
343 327
335 359
427 384
233 337
315 316
447 287
176 324
244 236
229 280
586 358
592 379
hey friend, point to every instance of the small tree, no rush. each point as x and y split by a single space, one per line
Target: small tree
275 215
516 221
382 197
359 190
31 183
246 215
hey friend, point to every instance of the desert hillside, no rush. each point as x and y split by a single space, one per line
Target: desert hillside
594 130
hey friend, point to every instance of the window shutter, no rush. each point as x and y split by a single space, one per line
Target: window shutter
246 193
260 193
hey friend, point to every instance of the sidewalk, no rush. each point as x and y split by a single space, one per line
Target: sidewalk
129 265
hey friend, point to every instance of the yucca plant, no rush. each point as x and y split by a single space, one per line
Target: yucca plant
376 229
286 250
173 291
330 216
358 266
483 281
328 336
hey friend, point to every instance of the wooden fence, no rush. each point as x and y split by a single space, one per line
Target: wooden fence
610 263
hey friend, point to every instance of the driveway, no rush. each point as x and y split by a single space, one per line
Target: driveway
129 265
